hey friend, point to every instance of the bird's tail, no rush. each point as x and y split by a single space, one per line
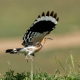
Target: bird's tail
13 51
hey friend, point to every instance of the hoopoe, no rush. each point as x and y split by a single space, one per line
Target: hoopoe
35 36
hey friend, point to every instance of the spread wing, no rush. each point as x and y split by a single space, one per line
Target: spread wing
40 28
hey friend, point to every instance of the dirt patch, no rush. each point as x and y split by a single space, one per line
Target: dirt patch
69 40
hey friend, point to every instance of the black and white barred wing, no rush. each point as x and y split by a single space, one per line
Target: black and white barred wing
40 28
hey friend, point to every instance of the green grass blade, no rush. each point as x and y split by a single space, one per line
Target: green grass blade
55 60
61 65
72 60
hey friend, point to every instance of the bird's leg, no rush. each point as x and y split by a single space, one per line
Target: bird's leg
31 58
27 58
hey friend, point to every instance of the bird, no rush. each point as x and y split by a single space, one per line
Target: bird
35 36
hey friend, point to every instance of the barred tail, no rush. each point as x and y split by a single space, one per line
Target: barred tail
13 51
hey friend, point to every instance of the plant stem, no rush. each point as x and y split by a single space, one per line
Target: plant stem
31 69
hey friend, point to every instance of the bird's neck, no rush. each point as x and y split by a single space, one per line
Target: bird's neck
43 41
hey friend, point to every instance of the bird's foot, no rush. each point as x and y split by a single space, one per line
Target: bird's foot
31 59
27 58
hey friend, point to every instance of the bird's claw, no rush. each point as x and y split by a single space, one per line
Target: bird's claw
27 58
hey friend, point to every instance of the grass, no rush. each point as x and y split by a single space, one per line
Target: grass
71 75
39 76
43 61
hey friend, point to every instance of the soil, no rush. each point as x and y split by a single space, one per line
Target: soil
58 41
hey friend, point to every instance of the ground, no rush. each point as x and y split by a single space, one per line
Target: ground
58 41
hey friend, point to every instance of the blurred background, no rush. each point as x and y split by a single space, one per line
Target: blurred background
16 16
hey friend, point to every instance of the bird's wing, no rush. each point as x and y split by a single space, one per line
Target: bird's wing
40 28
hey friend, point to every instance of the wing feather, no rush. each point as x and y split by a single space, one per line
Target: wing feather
40 28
